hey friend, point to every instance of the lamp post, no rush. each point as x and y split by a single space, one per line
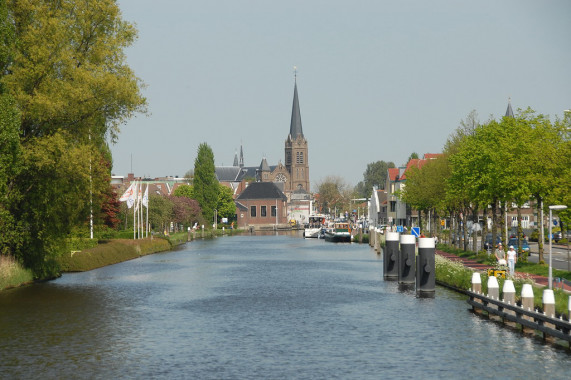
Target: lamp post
551 208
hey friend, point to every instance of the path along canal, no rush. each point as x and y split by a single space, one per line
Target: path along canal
246 307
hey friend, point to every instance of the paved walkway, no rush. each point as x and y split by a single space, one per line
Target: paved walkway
469 263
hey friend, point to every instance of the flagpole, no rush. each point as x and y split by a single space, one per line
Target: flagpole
147 223
135 213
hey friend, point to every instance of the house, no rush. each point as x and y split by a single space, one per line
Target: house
261 205
378 207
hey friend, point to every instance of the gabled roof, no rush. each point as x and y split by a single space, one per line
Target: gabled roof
228 173
262 190
393 174
295 128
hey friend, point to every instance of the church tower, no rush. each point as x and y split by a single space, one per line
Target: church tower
296 152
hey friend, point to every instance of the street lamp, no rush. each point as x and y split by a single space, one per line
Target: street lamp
551 208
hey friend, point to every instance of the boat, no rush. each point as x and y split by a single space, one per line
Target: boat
341 232
314 227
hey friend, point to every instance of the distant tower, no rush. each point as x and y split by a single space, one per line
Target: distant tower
509 111
296 152
235 159
241 157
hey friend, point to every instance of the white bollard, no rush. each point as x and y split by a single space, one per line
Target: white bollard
548 307
527 303
494 293
569 309
493 287
476 282
509 295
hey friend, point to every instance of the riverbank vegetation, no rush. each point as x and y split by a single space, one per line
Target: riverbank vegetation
13 274
65 88
456 275
111 252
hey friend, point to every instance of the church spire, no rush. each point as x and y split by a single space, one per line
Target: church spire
241 157
235 159
295 129
509 111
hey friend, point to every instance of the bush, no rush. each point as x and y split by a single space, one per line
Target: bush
12 273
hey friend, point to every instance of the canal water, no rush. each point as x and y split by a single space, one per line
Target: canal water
256 307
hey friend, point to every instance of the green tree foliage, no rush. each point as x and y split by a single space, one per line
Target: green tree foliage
68 69
205 182
56 185
184 191
62 63
374 175
10 167
413 156
160 212
225 206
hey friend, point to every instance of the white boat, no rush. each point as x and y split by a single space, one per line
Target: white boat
314 226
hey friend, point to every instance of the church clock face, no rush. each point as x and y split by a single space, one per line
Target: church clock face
281 178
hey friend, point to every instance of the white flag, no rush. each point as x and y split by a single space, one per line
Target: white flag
127 193
131 199
146 197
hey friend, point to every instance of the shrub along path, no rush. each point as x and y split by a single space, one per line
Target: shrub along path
469 263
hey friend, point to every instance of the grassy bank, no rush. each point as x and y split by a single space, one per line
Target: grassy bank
111 252
13 274
456 275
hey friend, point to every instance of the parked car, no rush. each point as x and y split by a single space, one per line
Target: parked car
524 244
488 241
557 236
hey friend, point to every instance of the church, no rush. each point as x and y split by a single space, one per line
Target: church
291 176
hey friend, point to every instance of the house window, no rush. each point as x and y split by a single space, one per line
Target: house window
274 210
263 211
393 206
253 211
288 157
299 158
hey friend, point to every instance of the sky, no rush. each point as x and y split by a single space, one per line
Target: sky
377 80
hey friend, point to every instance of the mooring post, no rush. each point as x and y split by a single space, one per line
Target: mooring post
406 260
378 240
509 297
548 310
493 291
371 237
425 268
390 255
476 288
527 303
476 282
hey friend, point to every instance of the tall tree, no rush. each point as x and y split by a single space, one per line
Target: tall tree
69 69
225 205
374 175
205 183
63 63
